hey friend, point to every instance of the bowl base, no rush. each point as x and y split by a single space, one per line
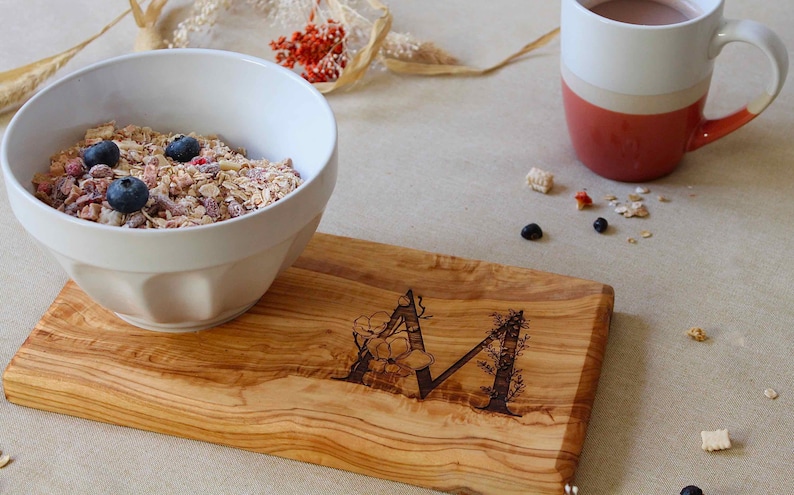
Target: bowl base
189 326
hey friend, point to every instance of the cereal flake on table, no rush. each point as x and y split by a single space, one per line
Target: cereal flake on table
715 440
218 184
540 180
770 393
697 334
4 460
635 209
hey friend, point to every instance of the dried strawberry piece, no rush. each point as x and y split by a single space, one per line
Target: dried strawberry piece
582 200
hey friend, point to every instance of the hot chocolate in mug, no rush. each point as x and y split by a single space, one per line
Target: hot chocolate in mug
635 76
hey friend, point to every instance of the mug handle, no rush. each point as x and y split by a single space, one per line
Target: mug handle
764 38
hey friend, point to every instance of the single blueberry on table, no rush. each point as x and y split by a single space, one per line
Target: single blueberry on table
102 153
183 149
600 225
691 490
127 195
532 232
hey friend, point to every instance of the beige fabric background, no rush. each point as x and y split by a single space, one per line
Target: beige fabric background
438 164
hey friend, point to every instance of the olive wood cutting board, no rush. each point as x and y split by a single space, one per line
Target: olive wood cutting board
453 374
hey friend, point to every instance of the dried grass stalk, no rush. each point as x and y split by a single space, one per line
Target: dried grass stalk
428 53
16 85
436 69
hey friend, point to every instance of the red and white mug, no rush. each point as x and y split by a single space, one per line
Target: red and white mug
634 93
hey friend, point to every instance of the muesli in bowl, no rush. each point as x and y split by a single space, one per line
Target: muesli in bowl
138 177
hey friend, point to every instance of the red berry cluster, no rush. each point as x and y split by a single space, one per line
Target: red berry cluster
319 50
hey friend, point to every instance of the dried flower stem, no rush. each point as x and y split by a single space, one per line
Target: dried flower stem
426 69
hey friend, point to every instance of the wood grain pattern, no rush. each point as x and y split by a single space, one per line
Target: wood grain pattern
458 375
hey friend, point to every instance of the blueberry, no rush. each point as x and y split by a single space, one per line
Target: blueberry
532 232
183 149
600 225
127 195
691 490
102 153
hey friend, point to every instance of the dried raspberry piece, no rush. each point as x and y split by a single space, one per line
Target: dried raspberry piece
166 203
235 209
213 210
135 220
44 188
210 168
100 171
74 167
258 174
64 186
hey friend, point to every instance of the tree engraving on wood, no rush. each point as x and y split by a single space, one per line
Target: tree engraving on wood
392 344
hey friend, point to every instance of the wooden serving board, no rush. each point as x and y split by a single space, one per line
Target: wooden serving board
453 374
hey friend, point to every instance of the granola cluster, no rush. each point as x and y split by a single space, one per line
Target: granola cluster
218 184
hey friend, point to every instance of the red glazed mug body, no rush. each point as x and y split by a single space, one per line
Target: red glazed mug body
634 93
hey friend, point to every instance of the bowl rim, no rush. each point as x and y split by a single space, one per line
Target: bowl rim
11 179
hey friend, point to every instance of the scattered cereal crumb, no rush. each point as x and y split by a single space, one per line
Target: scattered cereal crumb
646 233
610 197
216 185
770 392
635 209
582 200
697 333
4 460
715 440
634 197
662 198
540 180
631 240
642 190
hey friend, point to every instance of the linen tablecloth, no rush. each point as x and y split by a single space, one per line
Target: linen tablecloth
438 164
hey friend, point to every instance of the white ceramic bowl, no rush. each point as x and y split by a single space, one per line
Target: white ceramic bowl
192 278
